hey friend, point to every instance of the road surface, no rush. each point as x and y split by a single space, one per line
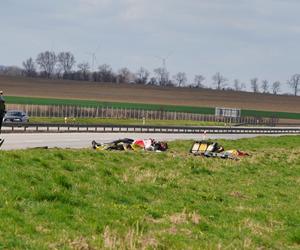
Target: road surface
83 140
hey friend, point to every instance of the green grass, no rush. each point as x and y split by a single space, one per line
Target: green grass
124 121
75 199
282 115
87 103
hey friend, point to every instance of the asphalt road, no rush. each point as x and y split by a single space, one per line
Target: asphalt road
83 140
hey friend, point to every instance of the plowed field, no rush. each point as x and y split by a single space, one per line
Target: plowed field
34 87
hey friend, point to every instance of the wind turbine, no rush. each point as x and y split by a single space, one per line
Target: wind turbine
93 57
164 60
164 65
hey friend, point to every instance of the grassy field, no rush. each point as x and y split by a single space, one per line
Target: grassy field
83 199
173 108
281 115
89 103
124 121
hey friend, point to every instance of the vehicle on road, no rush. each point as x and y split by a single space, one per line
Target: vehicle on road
15 116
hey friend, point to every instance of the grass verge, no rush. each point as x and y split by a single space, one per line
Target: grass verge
124 121
83 199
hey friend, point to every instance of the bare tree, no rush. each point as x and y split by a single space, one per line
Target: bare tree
294 83
29 68
254 85
198 81
238 86
180 79
275 87
11 70
106 73
170 83
84 69
152 81
219 80
124 75
66 61
265 86
47 61
142 76
162 76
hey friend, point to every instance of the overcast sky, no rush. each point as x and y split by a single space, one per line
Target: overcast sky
239 38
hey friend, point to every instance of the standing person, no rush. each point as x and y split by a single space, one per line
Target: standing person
2 108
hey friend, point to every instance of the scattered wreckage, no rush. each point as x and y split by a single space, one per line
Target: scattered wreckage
213 149
130 144
199 148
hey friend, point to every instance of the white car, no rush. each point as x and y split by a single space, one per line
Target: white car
15 116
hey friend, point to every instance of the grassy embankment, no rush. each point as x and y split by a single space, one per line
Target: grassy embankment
76 199
187 109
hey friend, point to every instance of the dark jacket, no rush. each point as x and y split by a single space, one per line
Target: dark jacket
2 108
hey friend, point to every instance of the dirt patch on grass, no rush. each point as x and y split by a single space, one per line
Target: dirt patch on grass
133 239
184 217
131 93
80 244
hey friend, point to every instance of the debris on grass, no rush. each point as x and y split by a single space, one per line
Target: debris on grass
213 149
131 144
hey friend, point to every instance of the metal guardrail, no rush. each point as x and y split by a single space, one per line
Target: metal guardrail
109 128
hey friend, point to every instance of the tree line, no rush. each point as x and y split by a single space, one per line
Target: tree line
63 65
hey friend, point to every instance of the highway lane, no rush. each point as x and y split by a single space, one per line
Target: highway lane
83 140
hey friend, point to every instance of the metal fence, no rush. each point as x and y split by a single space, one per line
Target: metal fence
122 113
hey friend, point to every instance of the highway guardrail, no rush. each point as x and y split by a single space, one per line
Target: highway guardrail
110 128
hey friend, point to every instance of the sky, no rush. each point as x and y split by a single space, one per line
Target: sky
240 39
